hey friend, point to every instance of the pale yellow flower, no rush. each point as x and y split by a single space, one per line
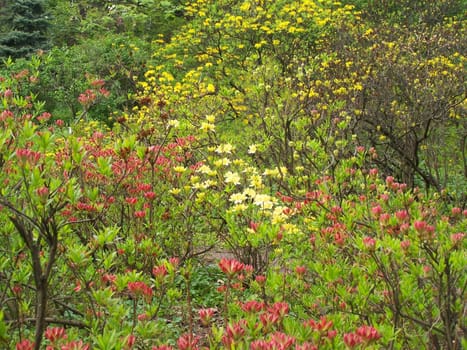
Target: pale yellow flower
174 123
222 162
207 127
252 149
225 148
278 216
249 192
264 201
208 183
256 181
232 177
238 208
238 198
271 172
205 169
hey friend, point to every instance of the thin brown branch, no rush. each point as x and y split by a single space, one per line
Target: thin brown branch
51 320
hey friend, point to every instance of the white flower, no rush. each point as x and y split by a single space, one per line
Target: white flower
264 201
232 177
222 162
208 183
249 192
225 148
237 198
174 123
252 149
205 169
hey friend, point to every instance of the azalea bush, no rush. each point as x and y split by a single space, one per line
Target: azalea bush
388 260
353 260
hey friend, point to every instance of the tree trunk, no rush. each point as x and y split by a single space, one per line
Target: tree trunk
41 309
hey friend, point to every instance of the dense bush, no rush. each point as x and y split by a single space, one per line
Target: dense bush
103 234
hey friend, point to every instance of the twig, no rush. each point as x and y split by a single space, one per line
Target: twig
72 323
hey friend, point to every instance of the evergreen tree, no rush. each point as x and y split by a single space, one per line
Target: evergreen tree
25 28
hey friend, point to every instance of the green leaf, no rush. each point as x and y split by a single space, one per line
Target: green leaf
108 340
105 166
3 330
141 152
44 141
107 235
73 192
28 129
78 254
109 260
103 297
92 193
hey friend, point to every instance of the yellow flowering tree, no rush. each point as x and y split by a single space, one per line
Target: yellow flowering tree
296 81
257 70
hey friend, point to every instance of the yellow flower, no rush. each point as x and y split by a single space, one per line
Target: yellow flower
149 73
207 127
358 86
291 228
264 201
175 191
174 123
245 6
166 76
211 88
249 192
256 181
224 148
282 25
200 196
222 162
239 208
252 149
238 198
232 177
179 169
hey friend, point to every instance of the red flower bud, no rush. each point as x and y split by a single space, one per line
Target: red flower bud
230 267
